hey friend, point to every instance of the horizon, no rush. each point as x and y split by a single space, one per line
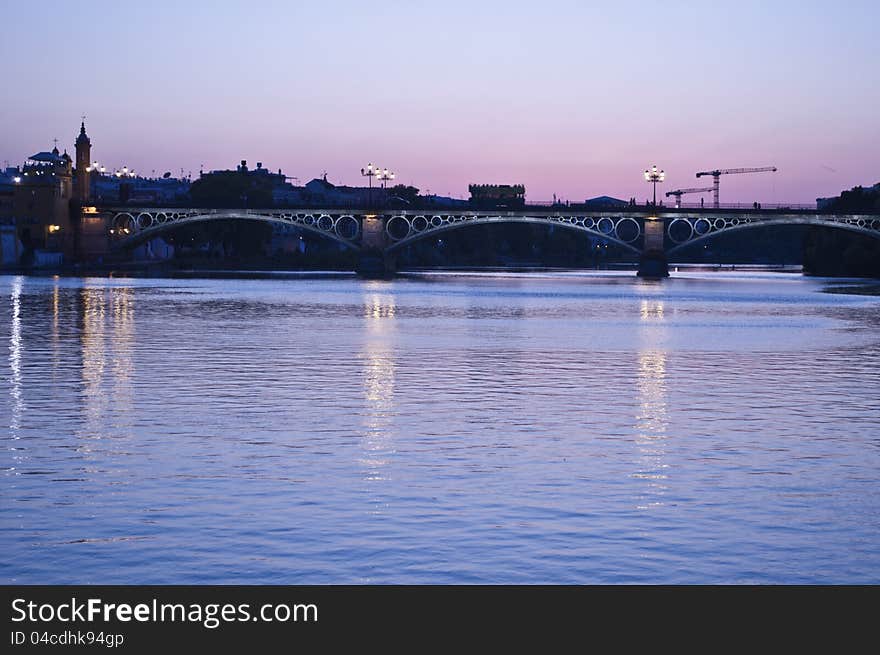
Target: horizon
457 95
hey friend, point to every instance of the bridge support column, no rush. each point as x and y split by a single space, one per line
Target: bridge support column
652 263
375 265
374 261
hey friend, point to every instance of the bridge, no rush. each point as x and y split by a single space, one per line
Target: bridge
652 233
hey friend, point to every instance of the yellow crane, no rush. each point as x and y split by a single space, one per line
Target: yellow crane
718 172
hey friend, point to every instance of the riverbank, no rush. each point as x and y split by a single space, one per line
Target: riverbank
866 289
164 270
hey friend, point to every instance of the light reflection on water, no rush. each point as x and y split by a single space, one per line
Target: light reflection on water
651 419
17 403
513 428
378 382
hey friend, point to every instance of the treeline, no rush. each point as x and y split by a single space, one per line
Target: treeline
771 245
512 245
833 252
223 244
237 189
836 252
232 189
857 200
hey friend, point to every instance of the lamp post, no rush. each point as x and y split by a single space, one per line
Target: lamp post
370 171
653 175
385 176
98 170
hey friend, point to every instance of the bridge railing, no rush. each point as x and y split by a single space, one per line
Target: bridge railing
427 205
671 205
539 210
746 205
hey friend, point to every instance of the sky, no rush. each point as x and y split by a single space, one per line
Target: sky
573 98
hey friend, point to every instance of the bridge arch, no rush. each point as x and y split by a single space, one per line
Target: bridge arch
705 227
132 228
405 229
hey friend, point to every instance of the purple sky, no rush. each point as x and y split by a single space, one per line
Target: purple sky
572 98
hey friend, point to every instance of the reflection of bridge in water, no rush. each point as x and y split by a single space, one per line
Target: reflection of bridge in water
653 234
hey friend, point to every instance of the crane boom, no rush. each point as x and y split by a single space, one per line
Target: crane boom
678 193
718 172
729 171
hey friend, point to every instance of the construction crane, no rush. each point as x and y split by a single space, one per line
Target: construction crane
718 172
678 193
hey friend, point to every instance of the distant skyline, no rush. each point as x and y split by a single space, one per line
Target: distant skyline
559 96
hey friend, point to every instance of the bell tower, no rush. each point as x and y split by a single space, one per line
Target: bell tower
83 164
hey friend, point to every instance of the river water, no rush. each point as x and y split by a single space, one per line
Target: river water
560 428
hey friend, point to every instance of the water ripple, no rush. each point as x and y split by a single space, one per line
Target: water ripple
527 428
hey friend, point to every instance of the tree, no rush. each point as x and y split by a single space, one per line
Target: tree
409 194
231 189
858 199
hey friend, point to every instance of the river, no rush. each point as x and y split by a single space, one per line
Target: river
449 428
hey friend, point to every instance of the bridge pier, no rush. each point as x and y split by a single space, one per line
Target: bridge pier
653 265
652 262
374 261
374 264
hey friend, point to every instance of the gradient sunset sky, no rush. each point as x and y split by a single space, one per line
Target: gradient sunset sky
572 98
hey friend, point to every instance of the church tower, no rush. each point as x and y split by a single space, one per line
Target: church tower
83 164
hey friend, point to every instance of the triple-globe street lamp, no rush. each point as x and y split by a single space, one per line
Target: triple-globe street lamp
654 175
370 171
383 175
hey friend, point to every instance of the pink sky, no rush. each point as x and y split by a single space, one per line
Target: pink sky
561 97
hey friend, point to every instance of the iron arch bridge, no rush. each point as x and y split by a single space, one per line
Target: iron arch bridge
635 229
132 227
404 229
684 230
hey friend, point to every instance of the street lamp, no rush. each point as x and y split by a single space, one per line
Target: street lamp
385 176
653 175
381 174
370 171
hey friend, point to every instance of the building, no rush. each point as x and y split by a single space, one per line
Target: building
45 218
497 195
320 192
605 202
83 165
124 187
258 173
40 212
8 179
823 204
242 187
10 249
